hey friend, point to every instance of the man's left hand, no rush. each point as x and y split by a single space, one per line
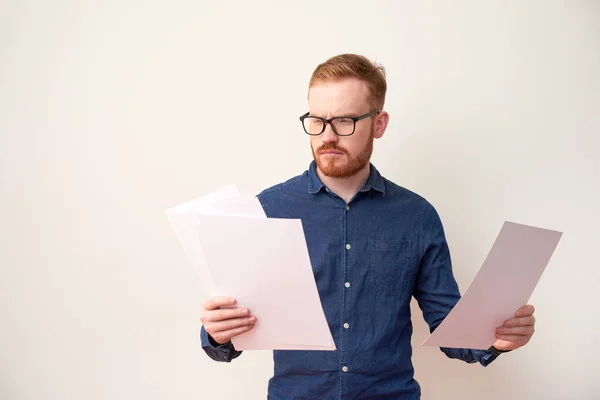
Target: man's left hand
517 331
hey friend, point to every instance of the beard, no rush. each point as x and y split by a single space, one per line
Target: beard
349 166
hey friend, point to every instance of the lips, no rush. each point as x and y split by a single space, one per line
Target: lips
330 151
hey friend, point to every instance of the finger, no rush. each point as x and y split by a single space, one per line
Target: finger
518 339
225 314
215 302
517 330
523 321
226 336
503 344
525 311
222 326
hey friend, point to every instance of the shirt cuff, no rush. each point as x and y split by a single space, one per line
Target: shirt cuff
490 355
208 341
487 358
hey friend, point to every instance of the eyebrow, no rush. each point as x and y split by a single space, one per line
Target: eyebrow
345 114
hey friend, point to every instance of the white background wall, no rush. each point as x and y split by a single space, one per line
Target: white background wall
112 111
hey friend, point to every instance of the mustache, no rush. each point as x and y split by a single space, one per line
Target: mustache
331 146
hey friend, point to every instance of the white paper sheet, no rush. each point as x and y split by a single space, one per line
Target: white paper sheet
261 262
504 283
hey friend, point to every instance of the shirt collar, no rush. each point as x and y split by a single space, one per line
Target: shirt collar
375 181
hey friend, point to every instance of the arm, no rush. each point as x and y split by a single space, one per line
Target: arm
436 290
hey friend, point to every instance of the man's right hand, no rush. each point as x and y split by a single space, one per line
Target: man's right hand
222 324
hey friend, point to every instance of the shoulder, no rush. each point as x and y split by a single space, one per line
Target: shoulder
410 201
394 190
291 187
398 193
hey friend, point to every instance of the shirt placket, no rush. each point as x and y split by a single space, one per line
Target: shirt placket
345 363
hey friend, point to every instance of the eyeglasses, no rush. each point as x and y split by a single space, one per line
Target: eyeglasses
342 126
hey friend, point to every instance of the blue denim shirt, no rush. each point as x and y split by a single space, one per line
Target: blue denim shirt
369 257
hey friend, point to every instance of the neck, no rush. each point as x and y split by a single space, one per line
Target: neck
346 188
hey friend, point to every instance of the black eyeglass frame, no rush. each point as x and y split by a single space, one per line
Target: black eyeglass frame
329 121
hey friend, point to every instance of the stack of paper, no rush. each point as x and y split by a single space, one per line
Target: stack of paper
504 283
261 262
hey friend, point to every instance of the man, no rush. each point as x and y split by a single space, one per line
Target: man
373 246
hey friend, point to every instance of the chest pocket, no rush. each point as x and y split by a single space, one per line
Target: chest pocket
391 267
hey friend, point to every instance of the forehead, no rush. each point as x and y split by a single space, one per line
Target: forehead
348 96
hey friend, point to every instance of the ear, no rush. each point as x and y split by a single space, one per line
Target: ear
381 123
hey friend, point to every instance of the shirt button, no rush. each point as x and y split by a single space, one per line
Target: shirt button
347 208
346 325
345 369
347 284
348 246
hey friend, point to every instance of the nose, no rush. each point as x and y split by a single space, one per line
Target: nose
329 135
